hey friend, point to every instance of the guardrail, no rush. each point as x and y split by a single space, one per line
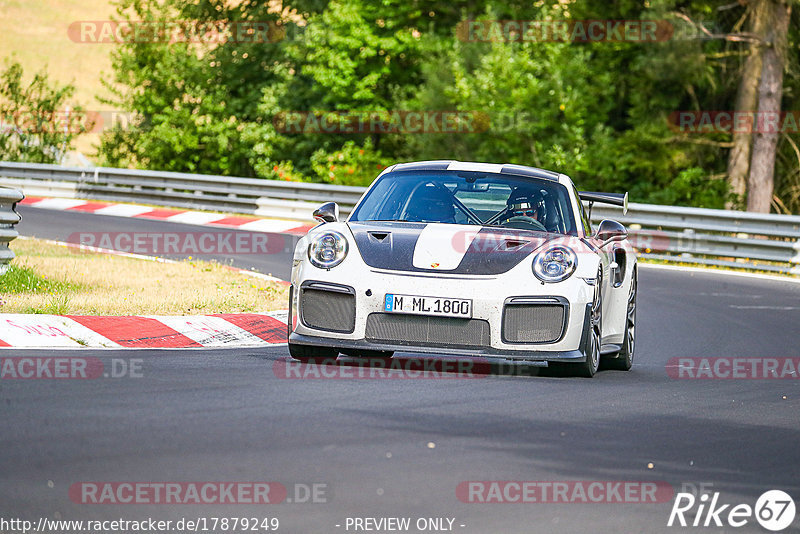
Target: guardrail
267 198
674 234
722 238
8 219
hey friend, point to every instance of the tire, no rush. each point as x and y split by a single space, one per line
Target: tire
624 359
588 368
309 353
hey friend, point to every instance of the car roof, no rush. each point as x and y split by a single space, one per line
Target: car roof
497 168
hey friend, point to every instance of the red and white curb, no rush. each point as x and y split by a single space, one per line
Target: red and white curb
199 218
198 331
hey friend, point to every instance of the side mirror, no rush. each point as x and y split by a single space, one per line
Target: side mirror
610 231
327 213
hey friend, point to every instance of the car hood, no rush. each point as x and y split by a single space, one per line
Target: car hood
445 248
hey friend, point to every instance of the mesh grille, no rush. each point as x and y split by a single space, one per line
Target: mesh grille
420 329
328 310
540 323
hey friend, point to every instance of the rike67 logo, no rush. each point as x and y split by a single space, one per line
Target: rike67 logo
774 510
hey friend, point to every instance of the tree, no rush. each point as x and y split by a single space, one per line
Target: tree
747 100
754 154
195 99
770 92
36 124
595 110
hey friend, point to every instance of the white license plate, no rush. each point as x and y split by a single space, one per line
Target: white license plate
439 306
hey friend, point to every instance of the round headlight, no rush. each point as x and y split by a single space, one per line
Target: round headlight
327 250
555 264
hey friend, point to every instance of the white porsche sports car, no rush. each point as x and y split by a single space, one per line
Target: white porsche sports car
469 259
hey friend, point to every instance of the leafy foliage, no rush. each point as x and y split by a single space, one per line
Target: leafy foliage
598 111
36 125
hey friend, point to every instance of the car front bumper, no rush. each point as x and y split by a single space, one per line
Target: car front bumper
540 357
489 296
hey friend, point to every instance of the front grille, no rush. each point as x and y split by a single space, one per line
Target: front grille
328 310
424 330
533 323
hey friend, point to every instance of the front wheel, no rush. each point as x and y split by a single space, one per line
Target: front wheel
624 359
309 353
588 368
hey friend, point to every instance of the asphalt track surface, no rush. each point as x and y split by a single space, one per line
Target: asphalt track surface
399 448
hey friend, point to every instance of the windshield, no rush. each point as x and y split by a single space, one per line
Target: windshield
476 198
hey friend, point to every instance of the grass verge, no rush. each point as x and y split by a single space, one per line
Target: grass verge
54 279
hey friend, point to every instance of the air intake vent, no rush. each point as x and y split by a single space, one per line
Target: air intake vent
333 311
429 331
378 236
512 244
533 323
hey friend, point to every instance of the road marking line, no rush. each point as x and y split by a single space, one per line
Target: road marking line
159 214
779 308
123 210
195 217
90 207
269 226
58 203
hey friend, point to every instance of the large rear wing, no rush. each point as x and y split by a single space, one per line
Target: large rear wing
616 199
